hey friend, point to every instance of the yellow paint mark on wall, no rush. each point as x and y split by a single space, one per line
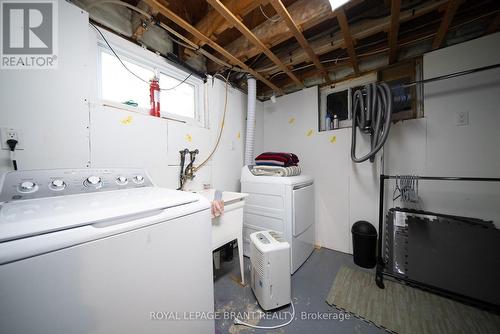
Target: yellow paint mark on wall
188 138
127 120
238 135
333 139
291 120
309 133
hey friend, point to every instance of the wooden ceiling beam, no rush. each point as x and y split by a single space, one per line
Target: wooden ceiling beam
451 9
314 74
393 33
192 30
285 15
330 41
214 24
346 32
305 14
493 26
232 19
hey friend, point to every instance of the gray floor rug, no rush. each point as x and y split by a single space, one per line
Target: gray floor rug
406 310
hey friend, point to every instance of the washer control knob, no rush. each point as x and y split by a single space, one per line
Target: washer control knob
93 181
27 186
138 179
57 184
121 180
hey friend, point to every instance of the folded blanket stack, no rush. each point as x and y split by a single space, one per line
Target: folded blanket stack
275 171
277 159
276 164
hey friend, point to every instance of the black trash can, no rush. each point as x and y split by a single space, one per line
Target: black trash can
364 244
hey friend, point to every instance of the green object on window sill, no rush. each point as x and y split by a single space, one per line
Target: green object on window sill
131 103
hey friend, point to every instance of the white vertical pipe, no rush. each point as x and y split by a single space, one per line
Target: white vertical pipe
250 137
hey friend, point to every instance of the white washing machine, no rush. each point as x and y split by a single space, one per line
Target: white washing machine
102 251
282 204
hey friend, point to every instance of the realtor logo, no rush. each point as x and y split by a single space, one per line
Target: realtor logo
29 34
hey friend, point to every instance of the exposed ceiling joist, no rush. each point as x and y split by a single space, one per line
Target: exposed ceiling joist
451 9
493 26
393 32
214 24
192 30
305 14
329 41
231 18
346 32
285 15
374 63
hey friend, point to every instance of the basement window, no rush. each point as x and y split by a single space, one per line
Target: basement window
119 87
180 100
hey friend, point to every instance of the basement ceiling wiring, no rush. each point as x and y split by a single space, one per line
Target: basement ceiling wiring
274 67
193 46
267 17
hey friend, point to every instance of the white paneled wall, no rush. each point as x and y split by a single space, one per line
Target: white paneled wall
435 145
118 139
64 125
49 107
228 159
344 191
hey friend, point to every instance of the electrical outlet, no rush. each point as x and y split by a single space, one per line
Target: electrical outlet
9 133
462 118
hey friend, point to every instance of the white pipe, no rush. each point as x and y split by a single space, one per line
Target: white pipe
250 137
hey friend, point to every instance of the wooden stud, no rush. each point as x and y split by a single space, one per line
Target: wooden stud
344 27
393 32
493 26
232 19
215 23
451 9
285 15
192 30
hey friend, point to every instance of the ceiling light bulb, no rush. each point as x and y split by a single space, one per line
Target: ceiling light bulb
273 98
337 3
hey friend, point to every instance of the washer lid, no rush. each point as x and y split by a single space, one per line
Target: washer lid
21 219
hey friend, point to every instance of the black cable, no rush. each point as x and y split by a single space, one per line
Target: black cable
130 71
180 83
449 76
117 57
12 146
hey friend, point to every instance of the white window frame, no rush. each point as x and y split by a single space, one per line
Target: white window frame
145 58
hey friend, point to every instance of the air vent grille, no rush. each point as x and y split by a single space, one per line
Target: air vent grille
258 261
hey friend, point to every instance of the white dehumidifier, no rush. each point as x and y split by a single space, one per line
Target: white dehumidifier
270 269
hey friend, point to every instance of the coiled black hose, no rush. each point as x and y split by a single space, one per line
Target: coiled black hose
372 116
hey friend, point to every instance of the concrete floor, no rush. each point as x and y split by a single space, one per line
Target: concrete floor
310 286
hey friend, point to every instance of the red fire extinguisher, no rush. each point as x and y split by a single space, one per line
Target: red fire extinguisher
154 97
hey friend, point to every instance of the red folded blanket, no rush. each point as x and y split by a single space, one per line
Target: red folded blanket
277 158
